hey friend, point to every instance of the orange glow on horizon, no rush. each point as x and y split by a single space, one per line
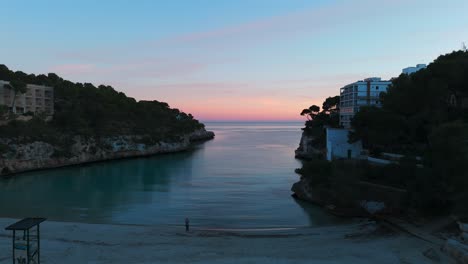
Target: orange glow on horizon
255 109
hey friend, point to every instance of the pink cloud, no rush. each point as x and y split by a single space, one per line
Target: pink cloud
73 68
305 21
232 101
133 69
208 99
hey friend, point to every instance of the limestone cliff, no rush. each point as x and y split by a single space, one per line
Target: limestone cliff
306 150
26 156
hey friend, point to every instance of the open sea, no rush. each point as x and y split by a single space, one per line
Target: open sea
241 179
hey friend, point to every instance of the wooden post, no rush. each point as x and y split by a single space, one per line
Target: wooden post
13 244
27 248
38 246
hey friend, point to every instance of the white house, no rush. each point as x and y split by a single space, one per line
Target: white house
338 146
360 93
411 70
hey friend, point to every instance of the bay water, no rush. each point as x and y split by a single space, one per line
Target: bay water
241 179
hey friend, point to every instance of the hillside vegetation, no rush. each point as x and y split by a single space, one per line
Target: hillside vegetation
424 116
86 110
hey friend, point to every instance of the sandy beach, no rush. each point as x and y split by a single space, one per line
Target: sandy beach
359 242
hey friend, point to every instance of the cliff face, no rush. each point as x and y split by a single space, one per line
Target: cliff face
305 149
200 135
21 157
331 200
303 191
328 198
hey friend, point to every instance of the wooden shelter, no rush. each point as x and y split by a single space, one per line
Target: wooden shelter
26 241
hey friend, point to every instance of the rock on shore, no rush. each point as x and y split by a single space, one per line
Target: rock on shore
327 198
303 191
21 157
201 135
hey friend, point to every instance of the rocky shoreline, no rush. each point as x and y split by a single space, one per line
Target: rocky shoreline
41 155
326 199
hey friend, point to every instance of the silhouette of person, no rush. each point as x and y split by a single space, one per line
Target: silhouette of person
187 224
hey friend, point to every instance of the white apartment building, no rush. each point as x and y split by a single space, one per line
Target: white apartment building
37 99
411 70
360 93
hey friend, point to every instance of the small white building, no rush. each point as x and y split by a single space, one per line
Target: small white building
411 70
360 93
338 146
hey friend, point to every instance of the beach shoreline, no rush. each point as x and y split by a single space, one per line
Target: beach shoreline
362 241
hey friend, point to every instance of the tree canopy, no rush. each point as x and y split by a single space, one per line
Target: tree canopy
311 112
84 109
318 120
17 86
415 105
425 114
331 105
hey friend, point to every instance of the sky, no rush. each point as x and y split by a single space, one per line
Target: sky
224 60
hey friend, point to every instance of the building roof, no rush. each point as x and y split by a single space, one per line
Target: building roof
372 80
25 224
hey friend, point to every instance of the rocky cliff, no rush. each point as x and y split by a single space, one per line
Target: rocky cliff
303 191
331 200
306 150
26 156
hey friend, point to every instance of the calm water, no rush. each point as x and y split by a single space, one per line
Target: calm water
242 178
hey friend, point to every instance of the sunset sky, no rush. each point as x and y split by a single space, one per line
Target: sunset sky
226 59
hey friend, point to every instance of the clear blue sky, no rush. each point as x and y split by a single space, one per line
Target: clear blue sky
229 60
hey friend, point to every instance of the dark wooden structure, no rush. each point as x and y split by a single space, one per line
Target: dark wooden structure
26 243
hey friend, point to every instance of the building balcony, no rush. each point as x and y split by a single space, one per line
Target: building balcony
368 97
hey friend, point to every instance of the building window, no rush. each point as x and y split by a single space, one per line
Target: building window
376 87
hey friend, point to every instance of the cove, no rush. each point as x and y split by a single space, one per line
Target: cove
241 179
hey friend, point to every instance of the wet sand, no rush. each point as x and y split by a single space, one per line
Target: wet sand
360 242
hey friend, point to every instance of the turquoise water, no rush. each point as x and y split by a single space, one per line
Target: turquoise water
242 178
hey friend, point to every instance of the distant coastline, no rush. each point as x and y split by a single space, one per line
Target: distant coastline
49 122
39 155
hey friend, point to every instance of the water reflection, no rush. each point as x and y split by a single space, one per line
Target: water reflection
92 192
240 179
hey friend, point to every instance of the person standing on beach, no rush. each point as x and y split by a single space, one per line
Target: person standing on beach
187 223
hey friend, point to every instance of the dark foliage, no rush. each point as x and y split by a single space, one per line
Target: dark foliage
83 109
425 114
318 120
416 104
